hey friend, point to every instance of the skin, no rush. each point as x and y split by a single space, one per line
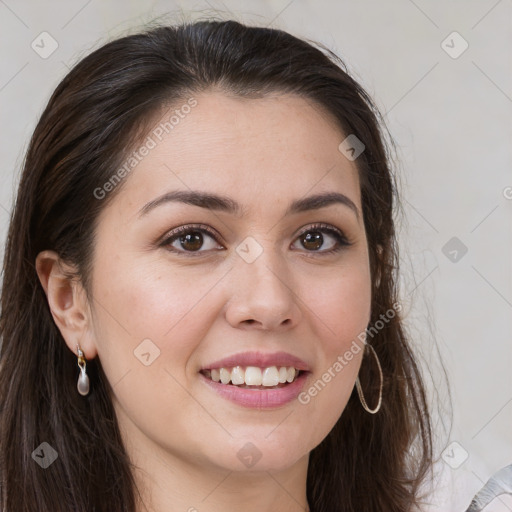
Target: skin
181 435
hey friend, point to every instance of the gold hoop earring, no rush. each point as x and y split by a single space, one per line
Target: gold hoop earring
83 379
360 391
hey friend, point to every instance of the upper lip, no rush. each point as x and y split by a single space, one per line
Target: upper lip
261 359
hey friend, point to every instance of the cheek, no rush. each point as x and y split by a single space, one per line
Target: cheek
151 321
342 308
341 313
152 309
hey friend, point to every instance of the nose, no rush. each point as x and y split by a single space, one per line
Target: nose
263 294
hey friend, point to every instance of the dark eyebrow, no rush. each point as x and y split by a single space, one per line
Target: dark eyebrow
226 204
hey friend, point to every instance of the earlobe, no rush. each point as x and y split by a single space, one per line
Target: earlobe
67 301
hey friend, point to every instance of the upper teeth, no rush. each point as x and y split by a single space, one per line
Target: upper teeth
254 376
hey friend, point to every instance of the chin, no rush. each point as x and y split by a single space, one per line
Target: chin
259 453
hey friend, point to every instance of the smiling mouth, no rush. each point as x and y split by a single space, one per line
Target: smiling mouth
254 377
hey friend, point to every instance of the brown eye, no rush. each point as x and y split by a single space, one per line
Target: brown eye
187 240
316 237
313 240
195 241
192 241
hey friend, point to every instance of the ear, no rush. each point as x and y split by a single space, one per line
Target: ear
68 303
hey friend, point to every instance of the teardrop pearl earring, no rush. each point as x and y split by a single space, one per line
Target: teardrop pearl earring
83 379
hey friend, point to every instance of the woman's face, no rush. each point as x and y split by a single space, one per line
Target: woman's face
258 287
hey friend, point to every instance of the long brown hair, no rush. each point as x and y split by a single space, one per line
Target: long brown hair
96 115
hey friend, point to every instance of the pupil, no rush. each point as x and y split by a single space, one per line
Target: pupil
315 240
188 238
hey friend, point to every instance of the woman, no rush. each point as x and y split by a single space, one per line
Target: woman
204 225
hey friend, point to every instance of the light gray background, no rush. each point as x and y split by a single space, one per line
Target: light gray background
450 118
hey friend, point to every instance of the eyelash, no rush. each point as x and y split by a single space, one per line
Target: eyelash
338 235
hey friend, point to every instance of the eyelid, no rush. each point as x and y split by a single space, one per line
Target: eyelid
321 226
167 239
341 239
190 227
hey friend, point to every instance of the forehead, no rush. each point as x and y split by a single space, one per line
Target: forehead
257 150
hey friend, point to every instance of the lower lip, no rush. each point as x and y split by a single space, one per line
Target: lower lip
259 398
